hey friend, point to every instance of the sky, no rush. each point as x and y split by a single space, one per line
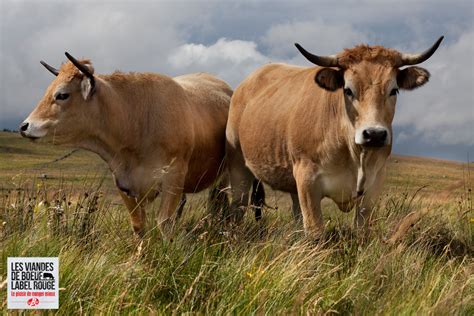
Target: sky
233 38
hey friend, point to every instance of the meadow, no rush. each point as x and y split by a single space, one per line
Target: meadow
417 260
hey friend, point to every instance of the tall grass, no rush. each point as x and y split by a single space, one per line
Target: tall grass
266 268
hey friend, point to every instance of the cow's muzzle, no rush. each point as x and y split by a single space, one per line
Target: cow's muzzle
24 129
374 137
25 132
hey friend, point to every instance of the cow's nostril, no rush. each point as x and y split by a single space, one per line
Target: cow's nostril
383 135
366 134
24 127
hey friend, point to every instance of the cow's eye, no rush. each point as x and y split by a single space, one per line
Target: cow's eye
348 92
394 92
62 96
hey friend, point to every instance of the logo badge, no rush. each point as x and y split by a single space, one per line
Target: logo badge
33 282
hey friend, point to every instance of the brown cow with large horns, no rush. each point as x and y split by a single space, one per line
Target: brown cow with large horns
318 132
157 134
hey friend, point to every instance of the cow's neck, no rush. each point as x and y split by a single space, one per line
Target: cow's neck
102 148
113 138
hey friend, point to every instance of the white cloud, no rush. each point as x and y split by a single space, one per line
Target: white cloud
231 60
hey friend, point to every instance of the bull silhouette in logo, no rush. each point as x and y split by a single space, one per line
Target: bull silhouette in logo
47 276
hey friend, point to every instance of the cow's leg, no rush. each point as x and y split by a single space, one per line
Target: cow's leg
180 208
240 178
217 200
240 183
309 196
137 213
172 184
257 199
295 207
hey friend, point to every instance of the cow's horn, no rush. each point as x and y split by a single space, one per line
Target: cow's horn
413 59
324 61
80 66
51 69
83 69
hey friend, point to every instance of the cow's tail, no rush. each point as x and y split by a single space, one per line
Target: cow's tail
257 198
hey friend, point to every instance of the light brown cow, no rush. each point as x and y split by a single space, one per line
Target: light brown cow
321 131
157 134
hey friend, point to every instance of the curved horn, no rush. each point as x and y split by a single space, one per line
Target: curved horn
85 71
413 59
80 66
51 69
324 61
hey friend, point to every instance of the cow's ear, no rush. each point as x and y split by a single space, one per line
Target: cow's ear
87 88
412 77
88 83
330 79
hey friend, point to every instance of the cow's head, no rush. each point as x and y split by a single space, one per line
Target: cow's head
64 110
369 77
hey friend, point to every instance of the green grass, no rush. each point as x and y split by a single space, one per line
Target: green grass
268 268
